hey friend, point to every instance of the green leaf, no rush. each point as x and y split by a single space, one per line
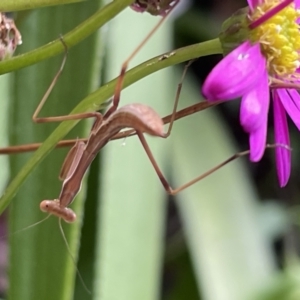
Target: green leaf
40 265
132 208
4 105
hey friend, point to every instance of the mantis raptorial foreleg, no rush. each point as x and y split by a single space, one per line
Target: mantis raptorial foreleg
118 88
80 116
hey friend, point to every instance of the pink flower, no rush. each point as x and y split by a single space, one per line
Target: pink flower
267 60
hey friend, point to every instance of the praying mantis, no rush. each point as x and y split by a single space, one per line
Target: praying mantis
141 118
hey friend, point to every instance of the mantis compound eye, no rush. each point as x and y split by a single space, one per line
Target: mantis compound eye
53 207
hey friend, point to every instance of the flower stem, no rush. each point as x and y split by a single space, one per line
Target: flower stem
8 5
151 66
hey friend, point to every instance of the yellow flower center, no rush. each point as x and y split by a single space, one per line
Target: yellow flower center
279 38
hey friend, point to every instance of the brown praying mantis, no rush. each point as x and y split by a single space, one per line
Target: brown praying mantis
141 118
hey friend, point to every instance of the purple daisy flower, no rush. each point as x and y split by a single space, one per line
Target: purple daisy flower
267 60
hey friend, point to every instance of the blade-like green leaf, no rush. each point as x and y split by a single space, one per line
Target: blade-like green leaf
131 214
40 266
87 254
231 255
4 162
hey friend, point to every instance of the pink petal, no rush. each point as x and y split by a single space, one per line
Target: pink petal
257 141
297 4
255 105
283 155
290 101
253 3
236 74
295 97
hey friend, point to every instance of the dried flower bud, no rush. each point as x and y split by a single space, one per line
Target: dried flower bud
154 7
10 37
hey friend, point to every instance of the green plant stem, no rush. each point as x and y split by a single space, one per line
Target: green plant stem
9 5
82 31
94 100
